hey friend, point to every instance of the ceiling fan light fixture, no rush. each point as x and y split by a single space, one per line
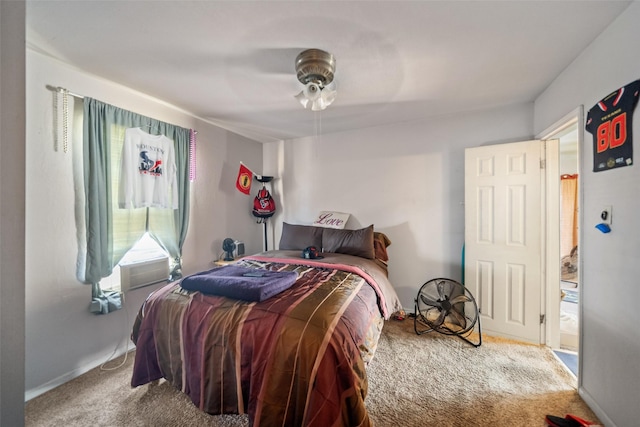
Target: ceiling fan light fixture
312 91
315 69
328 94
302 99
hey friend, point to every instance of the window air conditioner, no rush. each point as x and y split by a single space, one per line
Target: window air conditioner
142 273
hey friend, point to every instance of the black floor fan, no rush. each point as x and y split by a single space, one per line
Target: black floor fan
447 307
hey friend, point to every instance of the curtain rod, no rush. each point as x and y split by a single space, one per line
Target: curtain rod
62 90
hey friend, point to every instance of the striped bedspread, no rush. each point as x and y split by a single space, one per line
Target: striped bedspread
296 359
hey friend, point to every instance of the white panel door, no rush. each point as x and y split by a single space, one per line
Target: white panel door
503 237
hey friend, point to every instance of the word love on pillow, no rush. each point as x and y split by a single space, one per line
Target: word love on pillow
330 219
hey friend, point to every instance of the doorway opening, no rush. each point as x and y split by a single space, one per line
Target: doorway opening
569 248
569 204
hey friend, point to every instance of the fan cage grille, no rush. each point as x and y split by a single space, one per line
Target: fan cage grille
437 310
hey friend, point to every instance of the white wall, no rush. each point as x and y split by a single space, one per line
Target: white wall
610 291
12 201
63 339
406 179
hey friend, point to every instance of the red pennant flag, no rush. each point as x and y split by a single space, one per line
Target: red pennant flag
243 183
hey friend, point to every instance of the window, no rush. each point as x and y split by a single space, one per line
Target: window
110 232
146 249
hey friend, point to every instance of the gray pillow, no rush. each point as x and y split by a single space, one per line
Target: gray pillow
298 237
350 242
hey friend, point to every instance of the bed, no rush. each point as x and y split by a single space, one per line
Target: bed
296 358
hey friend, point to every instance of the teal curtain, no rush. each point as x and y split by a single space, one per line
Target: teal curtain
169 227
110 231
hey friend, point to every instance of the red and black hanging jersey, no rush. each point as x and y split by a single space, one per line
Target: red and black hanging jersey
610 123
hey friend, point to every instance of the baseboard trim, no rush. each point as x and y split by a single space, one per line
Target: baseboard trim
56 382
602 416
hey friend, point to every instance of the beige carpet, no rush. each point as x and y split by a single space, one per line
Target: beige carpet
427 380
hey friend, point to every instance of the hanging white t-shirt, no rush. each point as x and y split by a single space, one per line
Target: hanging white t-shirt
148 175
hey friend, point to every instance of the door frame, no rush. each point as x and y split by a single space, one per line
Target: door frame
551 247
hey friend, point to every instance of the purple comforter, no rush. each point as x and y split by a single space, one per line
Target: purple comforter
247 284
296 359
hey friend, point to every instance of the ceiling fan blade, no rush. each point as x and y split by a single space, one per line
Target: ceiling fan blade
267 61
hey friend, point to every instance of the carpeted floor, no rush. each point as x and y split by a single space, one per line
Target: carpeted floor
414 380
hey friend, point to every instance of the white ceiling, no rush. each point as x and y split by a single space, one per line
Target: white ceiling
232 62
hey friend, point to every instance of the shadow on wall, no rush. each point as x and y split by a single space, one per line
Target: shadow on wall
407 272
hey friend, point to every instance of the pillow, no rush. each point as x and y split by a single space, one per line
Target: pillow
380 243
298 237
350 242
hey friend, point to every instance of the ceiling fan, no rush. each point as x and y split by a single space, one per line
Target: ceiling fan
315 69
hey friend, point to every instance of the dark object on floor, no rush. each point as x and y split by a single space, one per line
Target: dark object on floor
400 315
569 421
580 421
554 421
